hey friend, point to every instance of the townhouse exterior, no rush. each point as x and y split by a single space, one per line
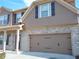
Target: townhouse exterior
45 26
9 28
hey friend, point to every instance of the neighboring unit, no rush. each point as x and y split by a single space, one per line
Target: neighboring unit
10 28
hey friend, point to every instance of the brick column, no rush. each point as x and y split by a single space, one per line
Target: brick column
75 41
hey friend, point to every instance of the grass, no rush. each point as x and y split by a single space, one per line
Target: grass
2 55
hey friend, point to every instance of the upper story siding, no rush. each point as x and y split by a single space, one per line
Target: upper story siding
4 16
11 16
63 16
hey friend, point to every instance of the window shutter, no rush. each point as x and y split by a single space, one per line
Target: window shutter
22 13
14 19
53 8
8 18
7 41
36 12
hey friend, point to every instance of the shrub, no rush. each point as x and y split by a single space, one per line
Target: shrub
2 55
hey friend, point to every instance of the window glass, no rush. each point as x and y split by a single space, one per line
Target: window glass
18 16
44 10
44 7
1 39
3 20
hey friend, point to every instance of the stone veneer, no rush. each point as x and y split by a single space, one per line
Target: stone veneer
73 29
75 41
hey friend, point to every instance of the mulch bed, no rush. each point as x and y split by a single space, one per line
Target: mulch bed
2 55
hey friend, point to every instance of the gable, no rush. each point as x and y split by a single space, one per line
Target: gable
4 11
68 6
63 3
63 16
69 1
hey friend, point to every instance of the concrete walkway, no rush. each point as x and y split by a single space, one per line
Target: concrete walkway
37 55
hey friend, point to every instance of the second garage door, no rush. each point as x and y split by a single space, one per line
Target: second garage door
56 43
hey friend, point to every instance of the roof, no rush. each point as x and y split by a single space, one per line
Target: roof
7 9
20 9
62 2
69 1
10 10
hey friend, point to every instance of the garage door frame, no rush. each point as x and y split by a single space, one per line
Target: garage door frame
46 34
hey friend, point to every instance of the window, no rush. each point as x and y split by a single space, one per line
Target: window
22 13
18 16
3 20
1 39
44 10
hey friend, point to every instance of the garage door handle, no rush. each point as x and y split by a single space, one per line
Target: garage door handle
69 49
58 44
38 44
47 48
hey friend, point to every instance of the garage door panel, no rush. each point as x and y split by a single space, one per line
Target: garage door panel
58 43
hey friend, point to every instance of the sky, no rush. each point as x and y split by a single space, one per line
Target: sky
18 4
15 4
77 3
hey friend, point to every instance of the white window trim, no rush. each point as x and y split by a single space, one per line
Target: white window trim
49 10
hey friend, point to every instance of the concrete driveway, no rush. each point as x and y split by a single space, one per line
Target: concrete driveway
37 55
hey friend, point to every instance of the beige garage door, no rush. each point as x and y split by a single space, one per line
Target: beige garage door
56 43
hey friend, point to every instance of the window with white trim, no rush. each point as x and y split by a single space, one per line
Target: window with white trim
18 16
1 39
3 20
44 10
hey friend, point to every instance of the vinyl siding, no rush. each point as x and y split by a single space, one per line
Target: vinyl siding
63 16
